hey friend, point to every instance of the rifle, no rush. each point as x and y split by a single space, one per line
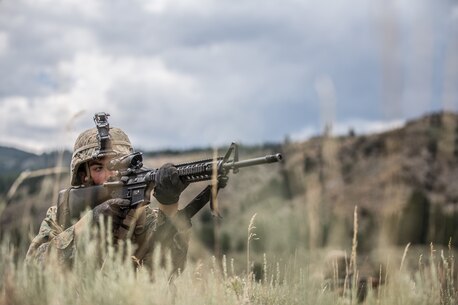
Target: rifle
135 182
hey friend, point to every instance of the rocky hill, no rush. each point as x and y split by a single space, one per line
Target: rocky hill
401 182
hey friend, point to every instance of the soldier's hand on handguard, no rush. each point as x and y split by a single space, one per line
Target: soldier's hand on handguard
169 186
113 208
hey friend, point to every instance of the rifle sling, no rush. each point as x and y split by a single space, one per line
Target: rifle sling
198 202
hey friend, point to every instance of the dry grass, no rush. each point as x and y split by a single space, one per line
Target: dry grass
293 281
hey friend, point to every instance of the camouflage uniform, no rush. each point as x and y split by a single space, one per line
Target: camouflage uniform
151 226
155 228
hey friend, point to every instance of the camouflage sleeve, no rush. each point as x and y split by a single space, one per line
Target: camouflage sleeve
158 229
179 243
52 238
179 249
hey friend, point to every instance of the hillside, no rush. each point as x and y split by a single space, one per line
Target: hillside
15 161
401 181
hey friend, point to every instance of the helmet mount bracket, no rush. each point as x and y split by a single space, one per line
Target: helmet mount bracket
103 127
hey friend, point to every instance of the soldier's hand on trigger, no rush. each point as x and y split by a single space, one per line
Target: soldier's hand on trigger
169 186
114 208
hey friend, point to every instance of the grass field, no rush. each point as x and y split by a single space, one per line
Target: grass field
406 278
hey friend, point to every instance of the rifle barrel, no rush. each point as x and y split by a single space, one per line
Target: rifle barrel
255 161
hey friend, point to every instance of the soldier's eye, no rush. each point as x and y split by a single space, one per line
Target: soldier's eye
97 168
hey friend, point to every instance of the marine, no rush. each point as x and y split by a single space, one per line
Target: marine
145 226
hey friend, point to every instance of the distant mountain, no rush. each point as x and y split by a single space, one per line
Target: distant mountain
13 161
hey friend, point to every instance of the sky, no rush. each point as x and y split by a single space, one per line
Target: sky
177 74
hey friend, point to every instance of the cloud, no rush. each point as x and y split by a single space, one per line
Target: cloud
3 43
184 73
84 8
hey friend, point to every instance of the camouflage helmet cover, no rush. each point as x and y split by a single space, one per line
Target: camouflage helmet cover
87 144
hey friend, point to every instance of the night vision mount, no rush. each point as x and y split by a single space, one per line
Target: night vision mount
103 137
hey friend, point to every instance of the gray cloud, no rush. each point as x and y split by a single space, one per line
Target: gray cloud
196 74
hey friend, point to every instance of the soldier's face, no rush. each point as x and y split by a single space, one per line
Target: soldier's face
99 171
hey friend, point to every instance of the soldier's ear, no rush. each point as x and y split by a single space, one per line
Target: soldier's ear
83 177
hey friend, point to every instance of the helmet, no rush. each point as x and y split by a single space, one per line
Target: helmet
87 145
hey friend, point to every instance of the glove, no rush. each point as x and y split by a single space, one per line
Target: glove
111 208
168 184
